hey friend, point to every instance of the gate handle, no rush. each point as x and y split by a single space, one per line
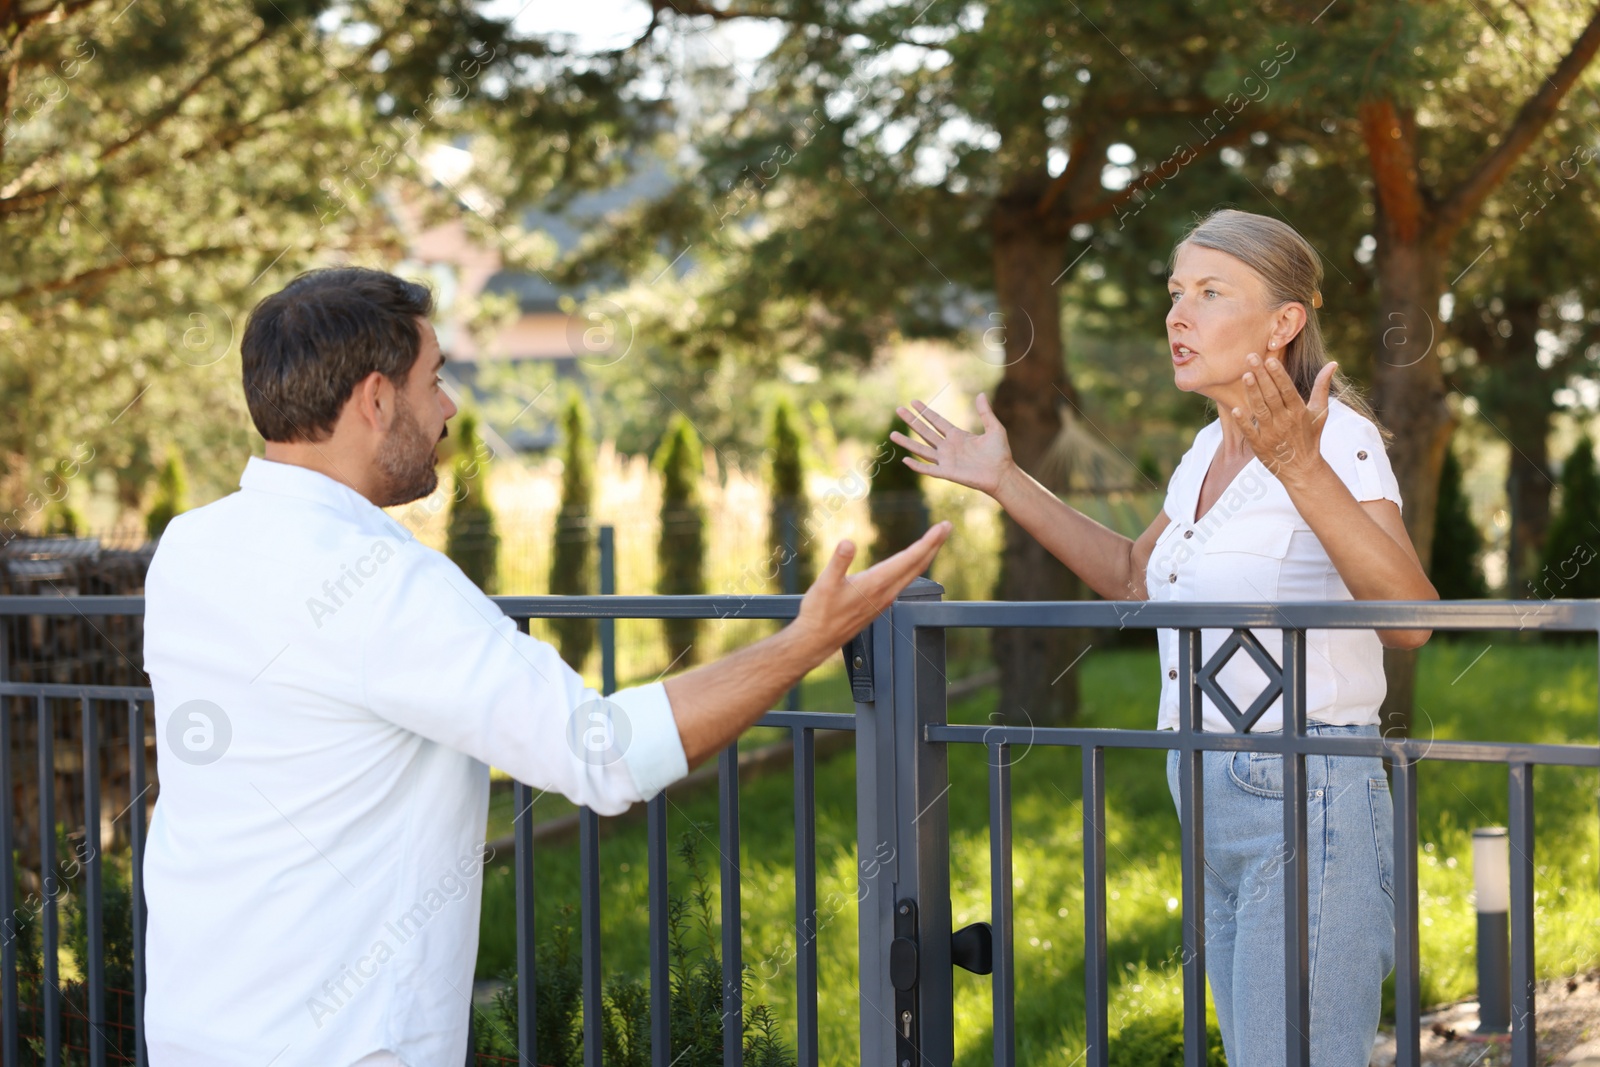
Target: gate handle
903 964
972 948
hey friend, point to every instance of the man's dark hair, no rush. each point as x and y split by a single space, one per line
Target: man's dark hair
307 345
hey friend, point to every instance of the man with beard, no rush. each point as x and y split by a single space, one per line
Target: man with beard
330 694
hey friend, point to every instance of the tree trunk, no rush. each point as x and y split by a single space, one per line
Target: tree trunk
1409 394
1036 685
1408 383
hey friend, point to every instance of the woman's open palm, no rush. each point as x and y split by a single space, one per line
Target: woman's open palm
978 461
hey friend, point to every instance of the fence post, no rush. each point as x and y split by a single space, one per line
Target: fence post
904 847
875 823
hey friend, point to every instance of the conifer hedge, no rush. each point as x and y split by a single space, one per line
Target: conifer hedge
573 557
681 551
471 539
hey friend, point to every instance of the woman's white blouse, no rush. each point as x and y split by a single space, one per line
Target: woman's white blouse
1253 546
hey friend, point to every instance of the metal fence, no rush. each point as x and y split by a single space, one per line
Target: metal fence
907 947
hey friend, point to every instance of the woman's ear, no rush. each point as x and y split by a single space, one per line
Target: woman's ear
1287 323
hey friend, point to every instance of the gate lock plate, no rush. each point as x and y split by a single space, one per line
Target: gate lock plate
858 666
903 976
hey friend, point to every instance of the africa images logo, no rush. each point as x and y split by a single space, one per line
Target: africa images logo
198 733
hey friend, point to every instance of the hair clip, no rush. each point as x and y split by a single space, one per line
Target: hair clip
1316 298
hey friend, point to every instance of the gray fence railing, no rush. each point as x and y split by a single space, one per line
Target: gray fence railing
907 946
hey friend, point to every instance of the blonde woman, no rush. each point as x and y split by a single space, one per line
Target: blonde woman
1287 496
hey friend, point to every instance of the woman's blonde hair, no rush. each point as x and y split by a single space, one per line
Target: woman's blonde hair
1292 271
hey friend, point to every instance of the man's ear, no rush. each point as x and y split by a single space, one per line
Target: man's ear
372 402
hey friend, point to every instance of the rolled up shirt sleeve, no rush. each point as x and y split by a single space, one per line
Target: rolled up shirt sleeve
1354 449
439 658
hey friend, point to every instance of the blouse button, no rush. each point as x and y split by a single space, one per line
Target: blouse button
1188 533
1172 673
1172 577
1362 454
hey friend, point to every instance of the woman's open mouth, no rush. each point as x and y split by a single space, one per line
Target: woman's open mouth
1182 354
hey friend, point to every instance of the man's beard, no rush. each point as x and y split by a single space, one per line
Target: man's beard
407 461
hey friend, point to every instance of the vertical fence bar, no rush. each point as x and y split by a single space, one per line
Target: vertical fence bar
732 932
9 1045
790 564
1095 981
527 972
93 898
1524 1039
589 915
589 832
1296 935
805 894
1000 892
608 627
660 947
1407 958
1191 770
49 979
136 791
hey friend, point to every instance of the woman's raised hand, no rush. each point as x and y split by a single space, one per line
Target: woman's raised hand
1282 430
979 461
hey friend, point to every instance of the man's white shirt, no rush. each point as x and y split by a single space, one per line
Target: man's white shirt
329 694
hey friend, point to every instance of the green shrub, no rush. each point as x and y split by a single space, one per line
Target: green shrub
1569 568
61 519
1457 541
573 557
25 924
899 510
681 552
470 537
695 998
172 496
790 514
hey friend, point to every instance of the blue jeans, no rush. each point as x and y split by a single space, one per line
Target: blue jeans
1350 870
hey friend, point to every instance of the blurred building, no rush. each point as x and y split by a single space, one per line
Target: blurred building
555 326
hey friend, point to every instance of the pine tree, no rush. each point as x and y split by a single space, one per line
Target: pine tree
470 537
1569 565
681 552
790 517
1457 541
895 501
172 496
573 558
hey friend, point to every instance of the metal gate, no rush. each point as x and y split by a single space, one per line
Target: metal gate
908 948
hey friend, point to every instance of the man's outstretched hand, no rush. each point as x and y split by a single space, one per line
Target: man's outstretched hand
839 606
714 704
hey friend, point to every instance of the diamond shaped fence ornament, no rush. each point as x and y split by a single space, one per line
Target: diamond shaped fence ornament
1207 677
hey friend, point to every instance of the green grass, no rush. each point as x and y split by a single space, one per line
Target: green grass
1512 693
